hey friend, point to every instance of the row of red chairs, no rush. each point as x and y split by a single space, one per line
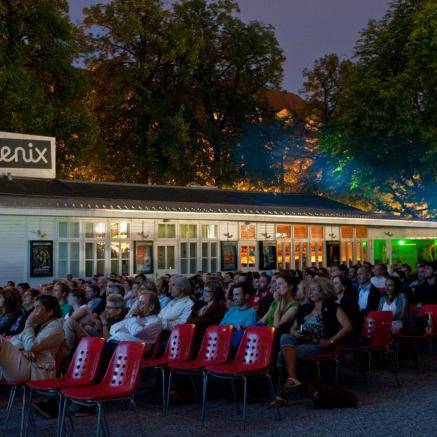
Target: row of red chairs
254 357
122 377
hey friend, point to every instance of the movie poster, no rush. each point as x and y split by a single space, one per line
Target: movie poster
143 257
41 258
229 256
268 256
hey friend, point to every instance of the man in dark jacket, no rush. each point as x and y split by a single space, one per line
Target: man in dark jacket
368 295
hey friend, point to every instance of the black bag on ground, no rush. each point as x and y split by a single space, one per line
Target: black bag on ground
331 396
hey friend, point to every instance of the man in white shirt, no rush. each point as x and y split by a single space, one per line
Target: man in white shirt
143 325
178 310
380 277
368 295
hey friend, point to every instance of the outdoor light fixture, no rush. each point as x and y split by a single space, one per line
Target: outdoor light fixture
228 235
266 235
142 234
389 234
332 235
41 233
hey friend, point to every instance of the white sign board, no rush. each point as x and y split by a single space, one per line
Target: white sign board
27 155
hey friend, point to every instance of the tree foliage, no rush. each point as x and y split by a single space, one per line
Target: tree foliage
41 91
381 142
177 87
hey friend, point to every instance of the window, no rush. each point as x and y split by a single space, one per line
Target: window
94 258
210 257
316 232
361 231
188 231
95 230
166 231
120 230
209 232
166 257
316 253
68 229
68 259
347 232
247 232
300 231
283 231
247 255
188 258
120 253
346 253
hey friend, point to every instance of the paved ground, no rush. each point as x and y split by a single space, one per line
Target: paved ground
386 410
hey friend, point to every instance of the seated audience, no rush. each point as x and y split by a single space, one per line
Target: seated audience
347 298
162 289
32 354
60 291
143 325
178 310
395 301
282 311
81 322
379 277
94 301
262 298
425 292
319 325
115 311
213 310
241 315
10 309
368 295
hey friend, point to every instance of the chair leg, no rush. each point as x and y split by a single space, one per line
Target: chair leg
394 369
194 386
99 419
337 371
204 394
10 402
429 355
61 413
105 424
234 395
244 398
163 390
28 409
167 400
137 417
23 411
61 424
272 391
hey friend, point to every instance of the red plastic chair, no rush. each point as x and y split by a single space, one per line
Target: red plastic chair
215 349
254 357
429 310
82 371
119 383
327 357
179 348
377 329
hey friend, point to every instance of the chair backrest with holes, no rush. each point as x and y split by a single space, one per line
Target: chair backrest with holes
430 310
216 345
256 348
85 363
123 372
180 344
378 328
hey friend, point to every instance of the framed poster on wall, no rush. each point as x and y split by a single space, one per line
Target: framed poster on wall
268 256
143 257
229 260
41 258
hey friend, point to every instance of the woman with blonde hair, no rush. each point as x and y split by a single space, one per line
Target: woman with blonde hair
319 326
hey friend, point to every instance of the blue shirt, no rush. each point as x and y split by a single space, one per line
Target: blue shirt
363 295
239 317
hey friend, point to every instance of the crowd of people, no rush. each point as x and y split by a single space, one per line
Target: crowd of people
312 311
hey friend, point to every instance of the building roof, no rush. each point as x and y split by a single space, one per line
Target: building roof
64 194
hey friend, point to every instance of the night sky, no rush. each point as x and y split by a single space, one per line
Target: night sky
306 29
